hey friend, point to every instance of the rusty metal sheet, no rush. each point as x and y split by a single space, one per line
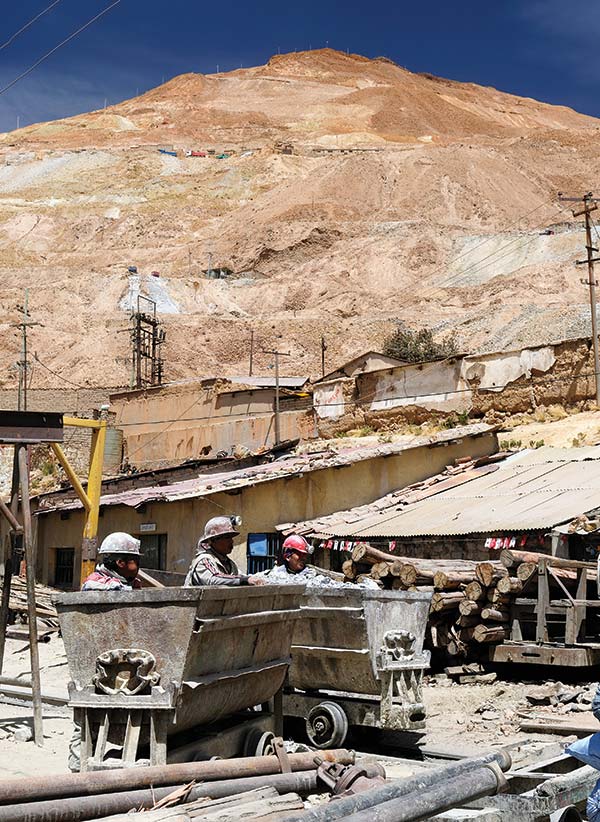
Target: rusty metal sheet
215 650
530 491
30 427
209 484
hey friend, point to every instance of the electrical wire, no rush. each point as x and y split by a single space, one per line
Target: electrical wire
55 373
13 37
57 47
508 227
359 403
160 433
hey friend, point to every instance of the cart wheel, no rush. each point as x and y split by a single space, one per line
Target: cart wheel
259 743
327 725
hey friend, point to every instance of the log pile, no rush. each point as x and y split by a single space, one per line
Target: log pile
18 600
471 601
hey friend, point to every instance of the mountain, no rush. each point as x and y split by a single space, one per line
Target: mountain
404 196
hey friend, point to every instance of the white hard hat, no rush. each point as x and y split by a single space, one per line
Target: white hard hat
120 543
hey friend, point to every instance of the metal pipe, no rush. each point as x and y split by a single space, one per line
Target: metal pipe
76 809
449 793
402 787
27 789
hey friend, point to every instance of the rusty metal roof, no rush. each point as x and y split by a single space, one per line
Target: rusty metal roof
532 490
285 467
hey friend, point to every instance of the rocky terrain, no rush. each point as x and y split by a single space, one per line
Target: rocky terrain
405 196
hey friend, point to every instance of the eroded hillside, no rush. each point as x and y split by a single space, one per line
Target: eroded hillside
405 196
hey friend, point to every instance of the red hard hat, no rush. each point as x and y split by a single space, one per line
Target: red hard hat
296 543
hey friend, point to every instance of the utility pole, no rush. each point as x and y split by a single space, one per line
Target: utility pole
277 355
590 204
251 351
323 350
23 363
147 339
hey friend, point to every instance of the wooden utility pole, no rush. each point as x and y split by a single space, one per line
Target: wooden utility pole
251 352
323 350
589 204
277 355
23 363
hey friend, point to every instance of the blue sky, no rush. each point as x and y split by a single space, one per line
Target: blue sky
532 47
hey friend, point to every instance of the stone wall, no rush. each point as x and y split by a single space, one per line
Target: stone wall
506 382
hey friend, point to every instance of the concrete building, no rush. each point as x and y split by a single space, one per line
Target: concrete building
193 418
168 517
362 364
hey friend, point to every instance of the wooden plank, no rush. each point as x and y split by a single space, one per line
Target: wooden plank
132 736
580 726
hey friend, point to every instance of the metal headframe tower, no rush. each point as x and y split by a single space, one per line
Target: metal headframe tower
147 338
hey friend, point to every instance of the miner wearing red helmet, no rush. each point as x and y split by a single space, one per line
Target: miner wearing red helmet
295 553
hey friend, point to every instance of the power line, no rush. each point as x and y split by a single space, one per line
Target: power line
508 227
171 422
55 373
56 48
358 403
28 24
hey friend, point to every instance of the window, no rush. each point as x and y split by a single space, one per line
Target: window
262 551
63 568
154 550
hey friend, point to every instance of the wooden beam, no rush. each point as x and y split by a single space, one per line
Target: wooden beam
73 478
36 688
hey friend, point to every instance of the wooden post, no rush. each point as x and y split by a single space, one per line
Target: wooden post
38 732
543 601
10 561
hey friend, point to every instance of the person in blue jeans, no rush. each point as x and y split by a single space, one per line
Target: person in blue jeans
593 803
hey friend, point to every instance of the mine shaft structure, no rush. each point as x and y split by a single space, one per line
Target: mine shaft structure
147 338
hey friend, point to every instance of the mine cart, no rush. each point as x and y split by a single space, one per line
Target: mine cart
157 662
358 659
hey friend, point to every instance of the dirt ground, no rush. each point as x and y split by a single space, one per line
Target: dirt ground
574 430
462 719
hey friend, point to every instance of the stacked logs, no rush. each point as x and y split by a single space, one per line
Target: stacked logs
470 602
18 600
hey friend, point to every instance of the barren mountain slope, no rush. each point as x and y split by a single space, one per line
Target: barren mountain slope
438 223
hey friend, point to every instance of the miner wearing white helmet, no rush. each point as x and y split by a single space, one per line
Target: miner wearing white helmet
212 564
117 570
118 566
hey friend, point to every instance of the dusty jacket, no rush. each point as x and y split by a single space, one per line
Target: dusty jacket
104 579
210 568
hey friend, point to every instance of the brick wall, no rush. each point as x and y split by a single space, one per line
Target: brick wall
80 402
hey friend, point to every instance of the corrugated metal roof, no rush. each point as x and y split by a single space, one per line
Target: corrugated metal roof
541 489
207 484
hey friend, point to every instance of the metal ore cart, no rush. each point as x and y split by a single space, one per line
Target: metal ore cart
152 663
358 659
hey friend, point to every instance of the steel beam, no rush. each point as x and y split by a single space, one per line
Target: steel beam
30 427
